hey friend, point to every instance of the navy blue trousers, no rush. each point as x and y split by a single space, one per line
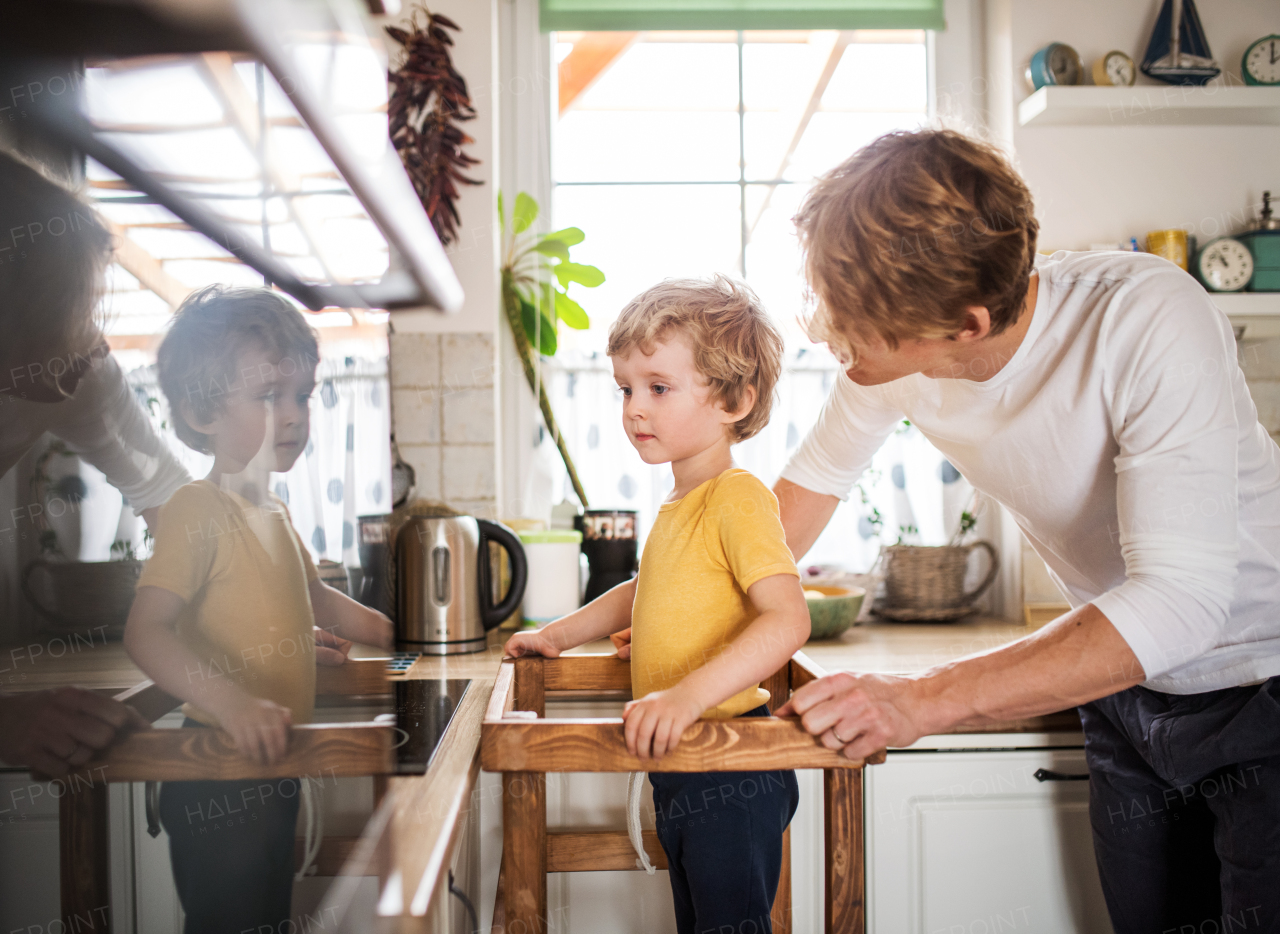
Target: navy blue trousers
1184 800
231 848
722 833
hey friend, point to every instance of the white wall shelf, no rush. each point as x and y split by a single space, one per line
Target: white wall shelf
1254 315
1151 105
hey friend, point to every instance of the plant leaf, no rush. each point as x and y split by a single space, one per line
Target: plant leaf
588 276
525 213
546 336
570 236
571 313
549 246
502 216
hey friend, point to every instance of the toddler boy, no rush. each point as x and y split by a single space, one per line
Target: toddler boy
227 606
717 605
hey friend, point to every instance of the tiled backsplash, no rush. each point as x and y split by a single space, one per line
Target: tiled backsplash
442 388
1260 361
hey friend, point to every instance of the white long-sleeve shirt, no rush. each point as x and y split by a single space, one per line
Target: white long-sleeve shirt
1122 438
104 423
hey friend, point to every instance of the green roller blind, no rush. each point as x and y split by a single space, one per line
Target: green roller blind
629 15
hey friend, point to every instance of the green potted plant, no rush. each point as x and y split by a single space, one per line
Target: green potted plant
537 272
926 583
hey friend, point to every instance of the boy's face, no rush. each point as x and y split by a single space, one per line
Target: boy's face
295 381
667 409
267 406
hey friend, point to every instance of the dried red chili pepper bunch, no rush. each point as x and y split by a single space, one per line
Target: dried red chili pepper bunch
429 100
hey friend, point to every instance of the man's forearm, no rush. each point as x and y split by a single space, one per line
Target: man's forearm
804 515
1077 658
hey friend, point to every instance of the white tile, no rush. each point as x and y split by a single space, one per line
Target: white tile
1260 359
417 416
415 359
480 508
1266 396
468 416
467 361
469 471
425 461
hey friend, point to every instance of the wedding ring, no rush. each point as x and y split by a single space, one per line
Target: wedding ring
839 739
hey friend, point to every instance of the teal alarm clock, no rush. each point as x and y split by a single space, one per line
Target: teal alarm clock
1057 63
1263 243
1261 62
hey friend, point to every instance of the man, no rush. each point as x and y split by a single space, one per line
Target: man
1098 398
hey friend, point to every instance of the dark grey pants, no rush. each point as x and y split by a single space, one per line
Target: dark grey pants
232 851
1184 799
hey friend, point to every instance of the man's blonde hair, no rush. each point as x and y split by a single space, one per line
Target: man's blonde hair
734 343
909 232
54 250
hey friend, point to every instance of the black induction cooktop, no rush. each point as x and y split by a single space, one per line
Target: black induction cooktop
424 709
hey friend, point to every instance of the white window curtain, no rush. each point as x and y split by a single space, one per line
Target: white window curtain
914 492
345 471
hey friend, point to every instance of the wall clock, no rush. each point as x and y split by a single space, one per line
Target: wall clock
1261 62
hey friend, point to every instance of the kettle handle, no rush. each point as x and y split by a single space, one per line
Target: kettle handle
490 615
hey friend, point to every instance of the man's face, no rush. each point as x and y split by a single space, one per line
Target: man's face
878 363
54 379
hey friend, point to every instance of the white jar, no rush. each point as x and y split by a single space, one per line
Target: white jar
552 590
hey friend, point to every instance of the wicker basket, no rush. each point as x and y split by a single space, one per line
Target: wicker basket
928 582
82 596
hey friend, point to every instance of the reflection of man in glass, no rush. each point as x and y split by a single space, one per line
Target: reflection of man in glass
57 376
224 614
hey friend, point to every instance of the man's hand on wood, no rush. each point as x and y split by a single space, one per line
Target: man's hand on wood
859 714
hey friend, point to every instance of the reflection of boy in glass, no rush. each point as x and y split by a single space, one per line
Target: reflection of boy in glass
227 607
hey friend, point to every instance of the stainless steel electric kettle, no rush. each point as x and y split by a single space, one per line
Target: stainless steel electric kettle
445 594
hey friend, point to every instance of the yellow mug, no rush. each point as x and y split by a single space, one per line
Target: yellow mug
1171 244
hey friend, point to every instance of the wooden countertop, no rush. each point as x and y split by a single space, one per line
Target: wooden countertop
877 647
414 830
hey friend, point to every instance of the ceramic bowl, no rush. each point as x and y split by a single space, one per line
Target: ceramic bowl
836 611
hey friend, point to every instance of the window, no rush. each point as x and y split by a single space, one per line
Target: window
688 153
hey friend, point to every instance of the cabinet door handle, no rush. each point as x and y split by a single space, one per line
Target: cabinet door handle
151 798
1048 775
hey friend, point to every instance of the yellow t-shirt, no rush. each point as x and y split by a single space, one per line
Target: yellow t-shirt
243 573
703 552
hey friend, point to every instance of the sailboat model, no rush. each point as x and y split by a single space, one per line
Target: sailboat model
1178 51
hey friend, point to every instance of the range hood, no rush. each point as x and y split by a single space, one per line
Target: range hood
261 124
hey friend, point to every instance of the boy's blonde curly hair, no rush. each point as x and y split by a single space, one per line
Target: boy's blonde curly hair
734 343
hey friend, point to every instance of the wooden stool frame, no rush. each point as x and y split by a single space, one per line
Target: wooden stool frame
521 742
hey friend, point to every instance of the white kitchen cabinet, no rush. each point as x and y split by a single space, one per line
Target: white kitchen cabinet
30 883
29 892
970 842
